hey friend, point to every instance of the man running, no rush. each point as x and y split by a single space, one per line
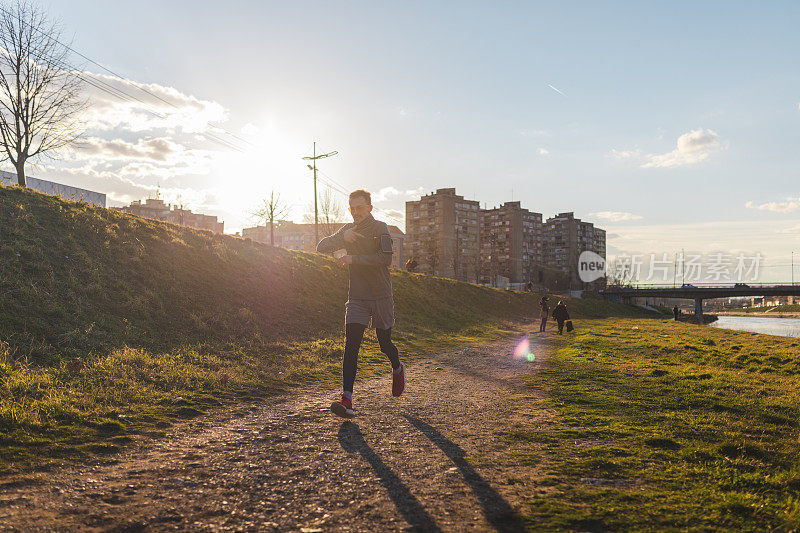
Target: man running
369 254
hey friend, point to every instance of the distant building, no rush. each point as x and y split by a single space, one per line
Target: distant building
511 244
399 247
156 208
565 238
56 189
302 237
443 235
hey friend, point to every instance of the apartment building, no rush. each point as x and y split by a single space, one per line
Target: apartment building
443 234
156 208
565 238
511 244
293 236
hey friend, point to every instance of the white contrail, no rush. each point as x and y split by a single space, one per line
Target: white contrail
556 90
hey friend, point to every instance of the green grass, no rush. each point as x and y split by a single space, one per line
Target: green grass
114 327
669 426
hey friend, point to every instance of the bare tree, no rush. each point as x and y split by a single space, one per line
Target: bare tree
430 254
331 213
617 273
271 210
40 95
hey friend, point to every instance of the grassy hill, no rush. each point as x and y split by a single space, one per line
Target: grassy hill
113 326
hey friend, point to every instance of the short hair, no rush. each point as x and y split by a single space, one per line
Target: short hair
361 192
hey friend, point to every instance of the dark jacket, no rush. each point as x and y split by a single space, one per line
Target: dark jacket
560 313
544 309
372 256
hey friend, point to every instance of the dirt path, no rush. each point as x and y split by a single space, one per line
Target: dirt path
428 461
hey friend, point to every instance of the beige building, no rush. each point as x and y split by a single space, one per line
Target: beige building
157 209
293 236
565 238
511 244
443 235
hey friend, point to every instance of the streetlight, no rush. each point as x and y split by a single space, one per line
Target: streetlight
314 158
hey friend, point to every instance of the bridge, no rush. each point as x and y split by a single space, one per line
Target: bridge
699 292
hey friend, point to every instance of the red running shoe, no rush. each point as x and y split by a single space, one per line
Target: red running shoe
399 381
343 407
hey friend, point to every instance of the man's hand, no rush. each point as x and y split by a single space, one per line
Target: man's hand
346 260
351 235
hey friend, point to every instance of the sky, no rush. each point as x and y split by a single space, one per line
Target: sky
674 126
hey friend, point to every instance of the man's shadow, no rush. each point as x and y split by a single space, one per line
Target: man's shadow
352 440
496 509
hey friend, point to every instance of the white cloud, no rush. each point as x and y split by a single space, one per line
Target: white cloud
149 106
387 193
543 151
626 154
791 204
692 148
792 229
250 129
391 193
158 149
615 216
393 216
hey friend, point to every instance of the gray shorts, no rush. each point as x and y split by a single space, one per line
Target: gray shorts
360 311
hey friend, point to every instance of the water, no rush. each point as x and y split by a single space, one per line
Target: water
783 327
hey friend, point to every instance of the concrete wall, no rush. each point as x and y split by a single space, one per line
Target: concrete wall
56 189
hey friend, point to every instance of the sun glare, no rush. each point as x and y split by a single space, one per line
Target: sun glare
272 162
522 352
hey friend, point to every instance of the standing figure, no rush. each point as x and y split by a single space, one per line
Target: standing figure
561 315
369 298
544 310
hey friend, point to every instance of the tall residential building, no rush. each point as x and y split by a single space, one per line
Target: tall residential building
443 234
566 237
157 209
511 244
293 236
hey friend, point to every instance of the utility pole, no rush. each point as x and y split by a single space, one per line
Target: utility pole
674 271
314 158
792 267
683 266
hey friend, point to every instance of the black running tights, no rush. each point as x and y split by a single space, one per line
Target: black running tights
354 333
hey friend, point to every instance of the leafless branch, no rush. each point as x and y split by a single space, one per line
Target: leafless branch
40 94
271 210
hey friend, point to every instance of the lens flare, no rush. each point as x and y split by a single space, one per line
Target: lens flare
523 350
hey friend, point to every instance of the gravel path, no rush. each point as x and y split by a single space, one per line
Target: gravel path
428 461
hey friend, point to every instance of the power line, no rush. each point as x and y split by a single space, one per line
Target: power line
113 91
332 185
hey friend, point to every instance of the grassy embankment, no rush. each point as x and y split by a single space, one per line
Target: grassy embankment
113 327
663 425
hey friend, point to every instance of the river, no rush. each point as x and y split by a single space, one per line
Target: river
784 327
